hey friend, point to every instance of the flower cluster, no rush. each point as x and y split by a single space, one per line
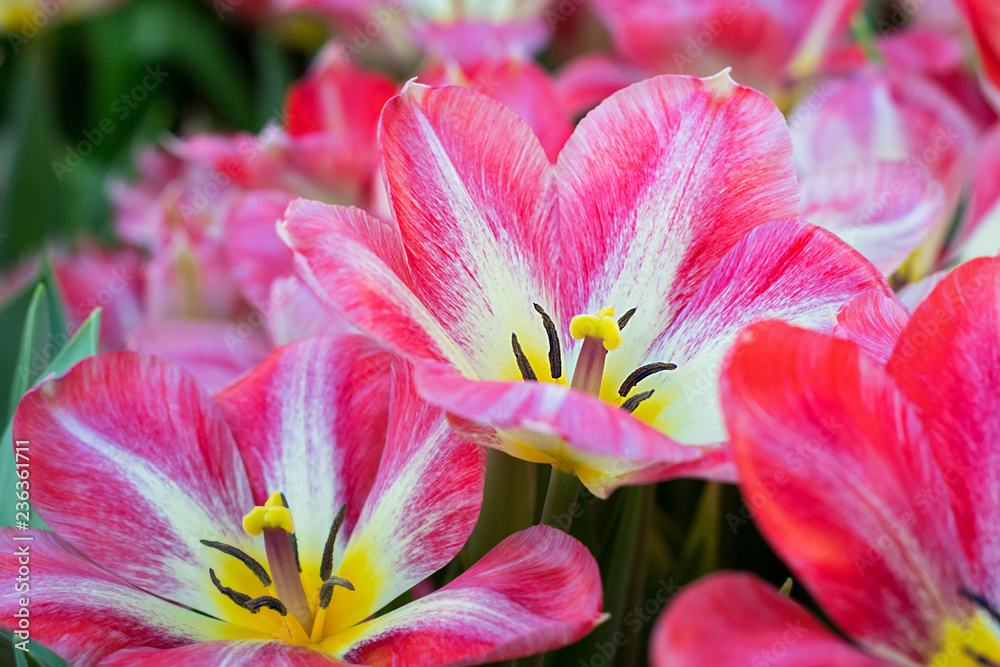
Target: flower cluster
411 375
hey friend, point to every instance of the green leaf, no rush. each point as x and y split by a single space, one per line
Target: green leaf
82 345
32 340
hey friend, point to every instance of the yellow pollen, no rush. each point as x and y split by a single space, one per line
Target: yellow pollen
273 514
603 325
963 642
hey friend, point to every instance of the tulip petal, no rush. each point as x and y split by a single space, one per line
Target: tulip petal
733 620
656 185
255 254
310 422
83 612
358 265
132 464
551 423
215 352
848 492
537 590
224 654
984 19
874 321
784 270
947 362
422 507
882 211
471 190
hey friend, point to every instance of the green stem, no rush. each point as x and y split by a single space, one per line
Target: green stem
865 37
560 500
508 504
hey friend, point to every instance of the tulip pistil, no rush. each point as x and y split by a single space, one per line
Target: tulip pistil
273 521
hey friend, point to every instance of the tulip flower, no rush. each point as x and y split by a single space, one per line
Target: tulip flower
576 314
877 484
272 522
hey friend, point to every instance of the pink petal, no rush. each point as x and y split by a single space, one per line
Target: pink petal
111 281
215 352
734 620
980 232
254 253
879 114
946 361
295 312
216 653
551 423
656 185
471 42
587 81
874 321
521 85
310 421
81 611
472 193
132 464
340 98
357 265
700 37
785 270
422 507
883 210
984 18
842 480
537 590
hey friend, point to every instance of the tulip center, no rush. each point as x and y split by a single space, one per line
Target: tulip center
600 334
974 642
274 523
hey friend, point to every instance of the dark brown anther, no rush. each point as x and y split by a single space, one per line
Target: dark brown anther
257 604
555 350
527 372
246 559
623 320
981 602
292 539
326 590
237 597
631 404
641 373
326 565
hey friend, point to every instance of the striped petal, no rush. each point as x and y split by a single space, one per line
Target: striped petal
784 270
656 185
472 193
874 321
749 623
358 265
848 489
224 654
880 209
132 464
310 422
603 445
422 507
948 362
537 590
82 612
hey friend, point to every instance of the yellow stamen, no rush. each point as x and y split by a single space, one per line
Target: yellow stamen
602 325
272 515
318 623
